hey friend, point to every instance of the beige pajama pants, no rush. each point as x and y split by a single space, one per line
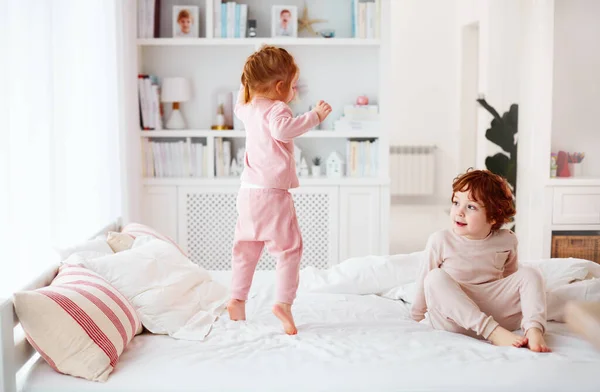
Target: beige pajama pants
519 300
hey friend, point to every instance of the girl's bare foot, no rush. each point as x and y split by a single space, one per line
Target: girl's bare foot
503 337
284 314
236 309
536 341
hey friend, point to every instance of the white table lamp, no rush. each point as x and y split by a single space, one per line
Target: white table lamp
175 90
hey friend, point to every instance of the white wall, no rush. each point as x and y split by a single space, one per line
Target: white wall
424 59
424 108
499 23
426 39
535 123
576 95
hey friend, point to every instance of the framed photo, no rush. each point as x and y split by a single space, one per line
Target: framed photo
186 21
284 21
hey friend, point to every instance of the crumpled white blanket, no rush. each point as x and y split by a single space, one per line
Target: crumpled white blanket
394 277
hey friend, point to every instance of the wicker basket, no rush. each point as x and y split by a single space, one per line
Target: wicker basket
580 246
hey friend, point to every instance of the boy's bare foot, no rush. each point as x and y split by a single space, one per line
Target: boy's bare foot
284 314
503 337
236 309
536 341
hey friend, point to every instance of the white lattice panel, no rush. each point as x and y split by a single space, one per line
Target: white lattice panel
208 222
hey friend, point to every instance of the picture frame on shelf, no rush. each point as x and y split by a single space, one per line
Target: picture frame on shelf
186 21
284 21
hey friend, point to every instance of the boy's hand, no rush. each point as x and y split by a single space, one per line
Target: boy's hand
323 109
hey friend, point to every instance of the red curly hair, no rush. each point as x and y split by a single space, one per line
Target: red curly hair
491 191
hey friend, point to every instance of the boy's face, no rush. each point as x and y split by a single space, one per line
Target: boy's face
185 24
285 18
468 217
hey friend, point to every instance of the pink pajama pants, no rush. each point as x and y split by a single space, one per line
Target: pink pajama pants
266 217
519 300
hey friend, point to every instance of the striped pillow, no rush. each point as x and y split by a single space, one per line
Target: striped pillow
80 324
138 230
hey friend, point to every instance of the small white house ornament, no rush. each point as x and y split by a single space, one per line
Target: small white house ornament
303 168
235 168
297 158
335 165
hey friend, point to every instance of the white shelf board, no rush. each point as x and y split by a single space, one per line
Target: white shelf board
257 41
574 181
575 227
192 133
211 133
304 181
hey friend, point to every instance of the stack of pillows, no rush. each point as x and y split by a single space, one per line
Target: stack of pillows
106 290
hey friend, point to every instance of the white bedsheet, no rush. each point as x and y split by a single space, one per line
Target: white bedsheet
344 343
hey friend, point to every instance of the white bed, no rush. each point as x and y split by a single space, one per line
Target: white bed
345 343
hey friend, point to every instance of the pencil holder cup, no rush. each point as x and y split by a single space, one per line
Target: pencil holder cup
575 169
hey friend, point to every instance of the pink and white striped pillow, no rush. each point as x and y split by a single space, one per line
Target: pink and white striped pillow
80 324
138 230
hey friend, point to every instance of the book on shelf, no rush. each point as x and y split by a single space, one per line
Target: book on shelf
149 103
148 18
362 158
175 159
227 165
365 18
230 19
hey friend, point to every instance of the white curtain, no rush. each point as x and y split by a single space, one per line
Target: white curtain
59 160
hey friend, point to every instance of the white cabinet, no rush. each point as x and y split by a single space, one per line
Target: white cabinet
576 205
360 222
337 222
570 205
160 209
207 217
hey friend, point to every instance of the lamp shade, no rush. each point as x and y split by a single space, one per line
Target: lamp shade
175 90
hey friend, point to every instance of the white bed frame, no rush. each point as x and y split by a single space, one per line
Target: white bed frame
15 354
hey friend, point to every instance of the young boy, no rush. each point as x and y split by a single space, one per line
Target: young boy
470 281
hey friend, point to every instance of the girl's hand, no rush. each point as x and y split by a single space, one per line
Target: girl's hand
322 109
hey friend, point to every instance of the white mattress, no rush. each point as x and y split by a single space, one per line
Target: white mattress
344 343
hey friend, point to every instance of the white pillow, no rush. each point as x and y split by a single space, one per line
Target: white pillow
87 249
363 275
171 294
559 272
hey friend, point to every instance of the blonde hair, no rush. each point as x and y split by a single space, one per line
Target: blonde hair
265 68
184 14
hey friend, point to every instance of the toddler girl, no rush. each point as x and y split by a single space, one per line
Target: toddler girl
266 213
470 282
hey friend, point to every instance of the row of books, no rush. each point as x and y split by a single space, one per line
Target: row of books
180 159
230 19
365 18
149 100
362 158
175 159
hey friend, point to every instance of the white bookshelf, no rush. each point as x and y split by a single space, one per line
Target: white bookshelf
233 133
304 181
258 42
334 69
